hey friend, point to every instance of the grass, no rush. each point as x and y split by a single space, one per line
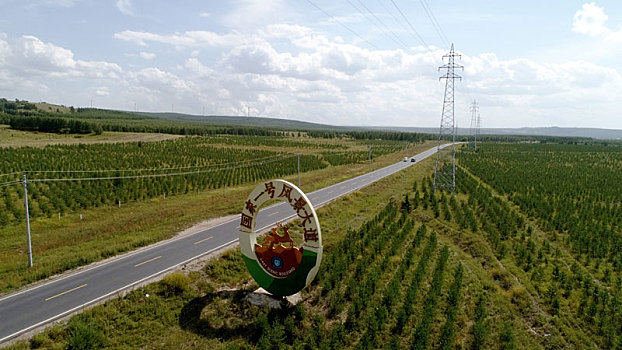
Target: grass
48 107
17 138
63 244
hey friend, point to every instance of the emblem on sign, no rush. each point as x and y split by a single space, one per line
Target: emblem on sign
277 265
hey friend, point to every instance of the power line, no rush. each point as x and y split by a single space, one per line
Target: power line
259 161
386 31
145 169
154 175
13 173
392 15
342 24
374 23
410 24
435 24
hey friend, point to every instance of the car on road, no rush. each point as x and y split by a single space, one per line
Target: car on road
405 159
413 159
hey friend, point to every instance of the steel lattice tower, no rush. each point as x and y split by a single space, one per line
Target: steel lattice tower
475 123
445 176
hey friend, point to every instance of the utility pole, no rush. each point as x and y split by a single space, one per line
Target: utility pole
446 177
298 169
474 123
369 147
25 182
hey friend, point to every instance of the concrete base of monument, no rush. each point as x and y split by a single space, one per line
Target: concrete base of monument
261 297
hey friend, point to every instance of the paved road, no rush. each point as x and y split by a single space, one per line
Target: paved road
35 307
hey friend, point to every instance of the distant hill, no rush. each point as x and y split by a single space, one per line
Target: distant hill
610 134
596 133
289 124
246 121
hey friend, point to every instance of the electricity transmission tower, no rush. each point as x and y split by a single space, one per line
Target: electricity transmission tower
475 124
445 174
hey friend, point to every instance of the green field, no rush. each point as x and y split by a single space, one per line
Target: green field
476 270
84 222
570 254
67 178
526 254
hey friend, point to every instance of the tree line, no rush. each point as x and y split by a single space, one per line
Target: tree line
53 125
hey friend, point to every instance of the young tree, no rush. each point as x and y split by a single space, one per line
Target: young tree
480 329
406 205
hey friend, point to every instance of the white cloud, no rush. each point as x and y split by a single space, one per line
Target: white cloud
293 71
189 39
43 56
349 19
29 66
590 20
29 55
5 49
248 15
125 7
102 91
51 3
62 3
161 81
197 68
285 31
147 55
204 14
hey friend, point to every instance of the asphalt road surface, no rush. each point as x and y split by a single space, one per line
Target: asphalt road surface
34 307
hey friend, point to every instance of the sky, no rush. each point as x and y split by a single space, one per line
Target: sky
341 62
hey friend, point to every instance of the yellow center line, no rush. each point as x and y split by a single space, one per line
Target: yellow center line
150 260
273 213
203 240
65 292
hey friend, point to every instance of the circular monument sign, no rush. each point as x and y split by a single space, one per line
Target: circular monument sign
277 265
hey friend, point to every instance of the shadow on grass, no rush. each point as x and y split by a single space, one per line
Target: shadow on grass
224 315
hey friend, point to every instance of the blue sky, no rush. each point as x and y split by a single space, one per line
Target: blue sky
527 63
